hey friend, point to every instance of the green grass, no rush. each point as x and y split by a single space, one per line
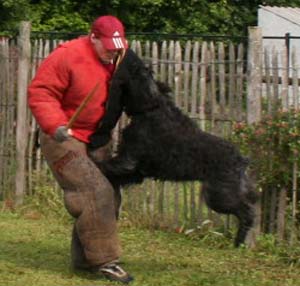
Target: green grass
35 251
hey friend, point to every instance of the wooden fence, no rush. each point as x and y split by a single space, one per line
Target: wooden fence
216 83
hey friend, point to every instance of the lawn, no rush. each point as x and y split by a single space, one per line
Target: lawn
34 250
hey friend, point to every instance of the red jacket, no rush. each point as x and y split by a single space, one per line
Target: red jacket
62 82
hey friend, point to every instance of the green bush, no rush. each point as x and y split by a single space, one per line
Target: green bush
273 146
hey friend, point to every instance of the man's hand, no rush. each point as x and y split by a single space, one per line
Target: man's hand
62 133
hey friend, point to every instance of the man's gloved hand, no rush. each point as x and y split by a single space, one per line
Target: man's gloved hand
62 133
98 140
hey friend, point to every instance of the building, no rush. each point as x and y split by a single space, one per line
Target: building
277 22
281 33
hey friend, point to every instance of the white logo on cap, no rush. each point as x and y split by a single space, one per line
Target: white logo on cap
117 40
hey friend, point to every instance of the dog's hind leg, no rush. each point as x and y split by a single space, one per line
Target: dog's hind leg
245 215
246 210
223 198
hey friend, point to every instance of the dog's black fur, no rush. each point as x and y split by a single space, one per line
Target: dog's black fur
162 143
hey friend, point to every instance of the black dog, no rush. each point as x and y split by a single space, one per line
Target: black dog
162 143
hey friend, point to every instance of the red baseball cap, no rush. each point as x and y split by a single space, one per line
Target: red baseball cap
111 32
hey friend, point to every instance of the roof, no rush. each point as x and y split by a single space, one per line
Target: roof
288 13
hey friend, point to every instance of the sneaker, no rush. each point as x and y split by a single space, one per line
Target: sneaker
114 272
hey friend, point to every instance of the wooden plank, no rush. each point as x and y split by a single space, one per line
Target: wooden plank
265 201
295 164
187 68
273 205
193 219
3 111
295 78
167 205
144 192
155 59
275 88
161 199
176 206
239 83
22 132
42 51
185 201
200 205
40 164
46 50
147 57
171 64
213 93
56 43
133 45
267 69
203 88
42 167
195 78
32 123
178 74
285 77
281 213
293 236
139 50
8 140
221 76
152 199
12 101
208 92
231 83
163 67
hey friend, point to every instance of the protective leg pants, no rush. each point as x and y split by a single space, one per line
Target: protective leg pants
89 198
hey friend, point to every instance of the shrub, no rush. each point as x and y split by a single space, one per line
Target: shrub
273 146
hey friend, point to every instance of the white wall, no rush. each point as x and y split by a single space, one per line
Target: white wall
274 25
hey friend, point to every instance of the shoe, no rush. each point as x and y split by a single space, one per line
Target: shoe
114 272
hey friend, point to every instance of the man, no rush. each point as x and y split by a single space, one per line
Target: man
62 82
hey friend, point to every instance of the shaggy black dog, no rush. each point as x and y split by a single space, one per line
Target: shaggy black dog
162 143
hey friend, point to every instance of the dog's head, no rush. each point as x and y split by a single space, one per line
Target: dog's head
134 82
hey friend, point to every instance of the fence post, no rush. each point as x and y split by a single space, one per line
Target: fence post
21 132
254 74
254 92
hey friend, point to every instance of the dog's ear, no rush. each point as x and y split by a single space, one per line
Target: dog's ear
114 108
143 92
154 90
135 84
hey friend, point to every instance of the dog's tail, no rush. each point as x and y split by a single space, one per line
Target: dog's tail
247 211
247 185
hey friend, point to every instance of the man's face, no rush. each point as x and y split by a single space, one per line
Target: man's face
106 56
